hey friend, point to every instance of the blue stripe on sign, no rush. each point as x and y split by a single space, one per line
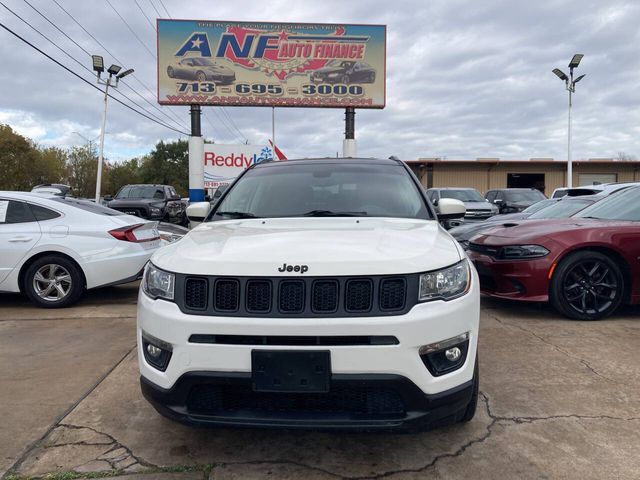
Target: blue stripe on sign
196 195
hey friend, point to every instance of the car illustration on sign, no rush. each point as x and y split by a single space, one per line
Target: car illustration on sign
340 71
202 70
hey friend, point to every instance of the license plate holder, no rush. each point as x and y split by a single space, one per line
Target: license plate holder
293 371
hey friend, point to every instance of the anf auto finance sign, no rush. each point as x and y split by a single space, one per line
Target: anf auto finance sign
223 163
271 64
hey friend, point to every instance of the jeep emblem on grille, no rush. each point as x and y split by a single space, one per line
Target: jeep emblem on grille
293 268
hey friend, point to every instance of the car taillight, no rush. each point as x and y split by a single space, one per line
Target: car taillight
134 233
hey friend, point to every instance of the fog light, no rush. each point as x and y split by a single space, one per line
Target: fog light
156 352
445 356
453 354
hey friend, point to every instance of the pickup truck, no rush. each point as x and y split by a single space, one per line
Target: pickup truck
153 202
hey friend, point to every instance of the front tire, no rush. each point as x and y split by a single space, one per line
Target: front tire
53 281
170 72
587 285
201 77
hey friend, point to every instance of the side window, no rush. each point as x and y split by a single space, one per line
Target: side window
124 192
500 196
15 212
172 192
490 195
159 195
42 213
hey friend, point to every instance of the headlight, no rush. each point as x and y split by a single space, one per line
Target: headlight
521 251
157 283
445 284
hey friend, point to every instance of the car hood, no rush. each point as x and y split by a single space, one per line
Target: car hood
133 202
326 70
477 205
535 229
218 69
327 246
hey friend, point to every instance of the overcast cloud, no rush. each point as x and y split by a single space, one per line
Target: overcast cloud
465 79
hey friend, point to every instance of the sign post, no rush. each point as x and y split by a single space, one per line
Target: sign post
196 151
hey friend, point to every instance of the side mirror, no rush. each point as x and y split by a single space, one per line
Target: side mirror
197 212
449 208
498 201
108 198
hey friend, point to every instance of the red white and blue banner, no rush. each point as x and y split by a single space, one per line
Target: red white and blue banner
271 64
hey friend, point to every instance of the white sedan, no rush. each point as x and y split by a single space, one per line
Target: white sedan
54 248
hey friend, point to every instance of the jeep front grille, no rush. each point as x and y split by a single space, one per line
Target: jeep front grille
300 296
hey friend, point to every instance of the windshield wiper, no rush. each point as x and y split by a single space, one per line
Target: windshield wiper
330 213
238 214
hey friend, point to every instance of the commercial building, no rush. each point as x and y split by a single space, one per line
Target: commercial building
544 174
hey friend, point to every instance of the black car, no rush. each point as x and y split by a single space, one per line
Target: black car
342 71
513 200
153 202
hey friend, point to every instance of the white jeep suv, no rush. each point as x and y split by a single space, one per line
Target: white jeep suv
317 293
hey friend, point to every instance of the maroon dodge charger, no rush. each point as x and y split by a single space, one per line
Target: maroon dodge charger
586 266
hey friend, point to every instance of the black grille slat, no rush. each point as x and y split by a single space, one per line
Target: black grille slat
258 296
227 295
366 401
302 296
324 296
392 294
358 297
195 293
291 296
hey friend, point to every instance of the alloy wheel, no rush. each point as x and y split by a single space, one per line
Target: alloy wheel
590 287
52 282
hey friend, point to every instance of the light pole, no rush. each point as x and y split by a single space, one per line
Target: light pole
570 85
113 70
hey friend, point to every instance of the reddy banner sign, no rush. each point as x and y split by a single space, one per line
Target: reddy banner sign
271 64
223 163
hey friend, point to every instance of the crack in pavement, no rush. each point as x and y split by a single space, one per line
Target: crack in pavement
556 347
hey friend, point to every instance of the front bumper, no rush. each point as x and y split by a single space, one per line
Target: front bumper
526 280
357 402
396 367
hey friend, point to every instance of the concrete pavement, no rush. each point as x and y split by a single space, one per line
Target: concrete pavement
559 399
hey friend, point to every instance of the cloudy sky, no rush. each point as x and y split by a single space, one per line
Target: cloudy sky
465 78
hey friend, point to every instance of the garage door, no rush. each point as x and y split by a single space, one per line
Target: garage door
596 178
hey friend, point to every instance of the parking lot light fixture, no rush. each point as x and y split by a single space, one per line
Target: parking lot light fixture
98 64
113 70
570 86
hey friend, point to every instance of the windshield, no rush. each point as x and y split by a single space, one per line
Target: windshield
205 62
464 195
141 191
539 205
562 209
339 63
323 189
525 196
624 205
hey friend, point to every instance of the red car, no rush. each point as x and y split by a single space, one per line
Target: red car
586 266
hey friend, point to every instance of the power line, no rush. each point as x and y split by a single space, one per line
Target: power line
86 81
165 8
71 57
177 119
154 7
145 15
131 29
